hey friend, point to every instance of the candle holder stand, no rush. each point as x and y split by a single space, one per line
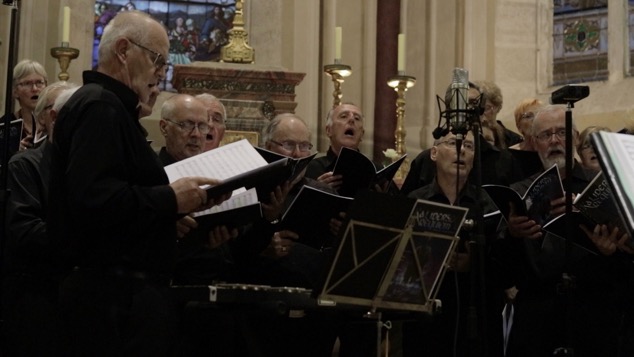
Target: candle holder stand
64 55
337 73
401 83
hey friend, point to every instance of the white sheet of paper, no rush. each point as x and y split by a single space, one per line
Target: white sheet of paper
221 163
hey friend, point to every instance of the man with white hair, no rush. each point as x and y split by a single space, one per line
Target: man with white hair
552 310
112 208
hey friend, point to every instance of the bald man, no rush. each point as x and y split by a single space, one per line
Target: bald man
184 124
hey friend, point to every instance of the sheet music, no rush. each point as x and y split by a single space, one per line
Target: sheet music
240 198
622 148
221 163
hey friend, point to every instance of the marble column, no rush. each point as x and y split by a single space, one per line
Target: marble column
388 25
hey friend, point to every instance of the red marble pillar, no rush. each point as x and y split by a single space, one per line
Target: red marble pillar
387 25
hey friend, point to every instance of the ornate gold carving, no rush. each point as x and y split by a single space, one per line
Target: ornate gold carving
236 135
238 49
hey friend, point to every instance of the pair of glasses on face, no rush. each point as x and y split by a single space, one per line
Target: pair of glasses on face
290 146
527 115
546 135
188 126
468 145
39 84
159 61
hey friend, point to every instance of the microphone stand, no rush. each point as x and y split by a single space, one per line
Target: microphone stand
476 320
567 284
4 150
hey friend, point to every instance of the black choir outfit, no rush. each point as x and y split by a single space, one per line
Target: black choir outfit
112 211
32 272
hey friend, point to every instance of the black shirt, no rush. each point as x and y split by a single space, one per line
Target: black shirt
28 248
110 203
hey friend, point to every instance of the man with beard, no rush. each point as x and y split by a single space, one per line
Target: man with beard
548 313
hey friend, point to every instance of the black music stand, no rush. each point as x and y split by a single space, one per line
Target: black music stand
395 257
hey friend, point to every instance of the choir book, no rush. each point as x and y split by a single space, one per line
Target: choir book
615 152
358 172
535 203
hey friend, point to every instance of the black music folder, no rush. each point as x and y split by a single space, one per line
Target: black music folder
358 172
309 215
393 253
15 136
296 166
615 152
536 201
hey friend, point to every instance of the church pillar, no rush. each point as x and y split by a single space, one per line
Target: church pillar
388 25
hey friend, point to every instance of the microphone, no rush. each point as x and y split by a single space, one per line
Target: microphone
458 93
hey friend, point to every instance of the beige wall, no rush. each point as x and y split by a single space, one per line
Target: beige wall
506 41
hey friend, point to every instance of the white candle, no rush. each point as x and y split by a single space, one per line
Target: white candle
338 36
401 52
66 26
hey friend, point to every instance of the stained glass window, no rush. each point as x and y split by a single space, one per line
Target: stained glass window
580 41
197 29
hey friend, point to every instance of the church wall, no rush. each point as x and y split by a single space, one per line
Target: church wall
507 41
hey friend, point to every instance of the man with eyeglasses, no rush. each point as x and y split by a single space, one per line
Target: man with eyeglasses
539 258
288 262
184 124
435 337
498 165
112 208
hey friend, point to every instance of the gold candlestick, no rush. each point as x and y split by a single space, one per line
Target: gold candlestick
401 83
337 72
64 55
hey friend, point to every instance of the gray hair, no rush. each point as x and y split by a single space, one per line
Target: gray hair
124 24
332 111
207 99
271 127
27 67
63 97
49 91
552 108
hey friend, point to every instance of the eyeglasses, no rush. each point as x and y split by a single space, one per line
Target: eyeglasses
159 61
39 84
50 106
546 135
188 126
489 108
468 145
527 115
290 146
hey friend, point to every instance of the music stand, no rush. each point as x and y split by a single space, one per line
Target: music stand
395 257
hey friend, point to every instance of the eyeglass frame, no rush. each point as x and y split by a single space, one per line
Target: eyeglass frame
468 145
560 133
184 124
295 145
39 84
158 55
